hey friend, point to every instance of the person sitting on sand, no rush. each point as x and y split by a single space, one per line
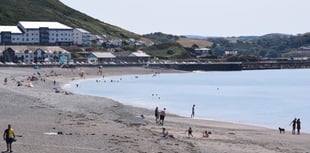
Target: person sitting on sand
205 134
165 134
189 132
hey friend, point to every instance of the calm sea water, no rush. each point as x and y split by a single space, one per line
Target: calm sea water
269 98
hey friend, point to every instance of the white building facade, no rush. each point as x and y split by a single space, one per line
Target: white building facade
82 37
36 33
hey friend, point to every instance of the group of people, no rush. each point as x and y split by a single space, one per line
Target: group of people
189 133
160 116
165 133
296 124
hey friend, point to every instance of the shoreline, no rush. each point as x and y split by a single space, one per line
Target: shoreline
93 78
95 124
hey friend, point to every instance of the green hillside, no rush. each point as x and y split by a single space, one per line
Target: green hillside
12 11
168 51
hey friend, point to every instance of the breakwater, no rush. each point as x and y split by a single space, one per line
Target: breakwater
292 64
216 66
235 66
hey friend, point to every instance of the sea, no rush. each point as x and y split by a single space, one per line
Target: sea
266 98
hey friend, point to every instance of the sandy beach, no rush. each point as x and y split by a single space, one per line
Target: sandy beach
49 122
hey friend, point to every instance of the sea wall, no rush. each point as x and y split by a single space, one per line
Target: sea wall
202 66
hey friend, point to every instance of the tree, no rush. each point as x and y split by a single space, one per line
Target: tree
195 46
170 52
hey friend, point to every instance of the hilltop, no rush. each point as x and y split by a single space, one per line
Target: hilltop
12 11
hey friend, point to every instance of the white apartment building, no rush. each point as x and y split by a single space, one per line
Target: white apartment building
36 32
82 37
6 33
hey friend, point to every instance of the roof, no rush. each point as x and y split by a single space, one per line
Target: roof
15 48
39 24
103 55
139 53
46 49
12 29
81 30
202 49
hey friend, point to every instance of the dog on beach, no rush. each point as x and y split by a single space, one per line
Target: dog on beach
282 130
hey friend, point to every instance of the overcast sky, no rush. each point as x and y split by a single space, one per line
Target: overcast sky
201 17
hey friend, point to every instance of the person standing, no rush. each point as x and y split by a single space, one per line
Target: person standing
298 126
9 137
293 123
193 111
5 81
162 115
156 115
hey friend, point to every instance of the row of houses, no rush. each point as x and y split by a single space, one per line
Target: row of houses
43 33
58 55
33 54
206 51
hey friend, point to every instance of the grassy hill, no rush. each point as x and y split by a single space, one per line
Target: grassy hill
12 11
168 51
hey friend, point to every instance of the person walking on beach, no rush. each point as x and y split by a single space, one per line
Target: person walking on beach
189 132
293 123
193 111
156 115
298 126
9 137
54 82
162 115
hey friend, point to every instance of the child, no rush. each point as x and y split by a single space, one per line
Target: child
189 132
205 134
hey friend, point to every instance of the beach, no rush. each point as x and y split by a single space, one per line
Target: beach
48 119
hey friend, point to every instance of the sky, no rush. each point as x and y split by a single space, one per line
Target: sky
201 17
